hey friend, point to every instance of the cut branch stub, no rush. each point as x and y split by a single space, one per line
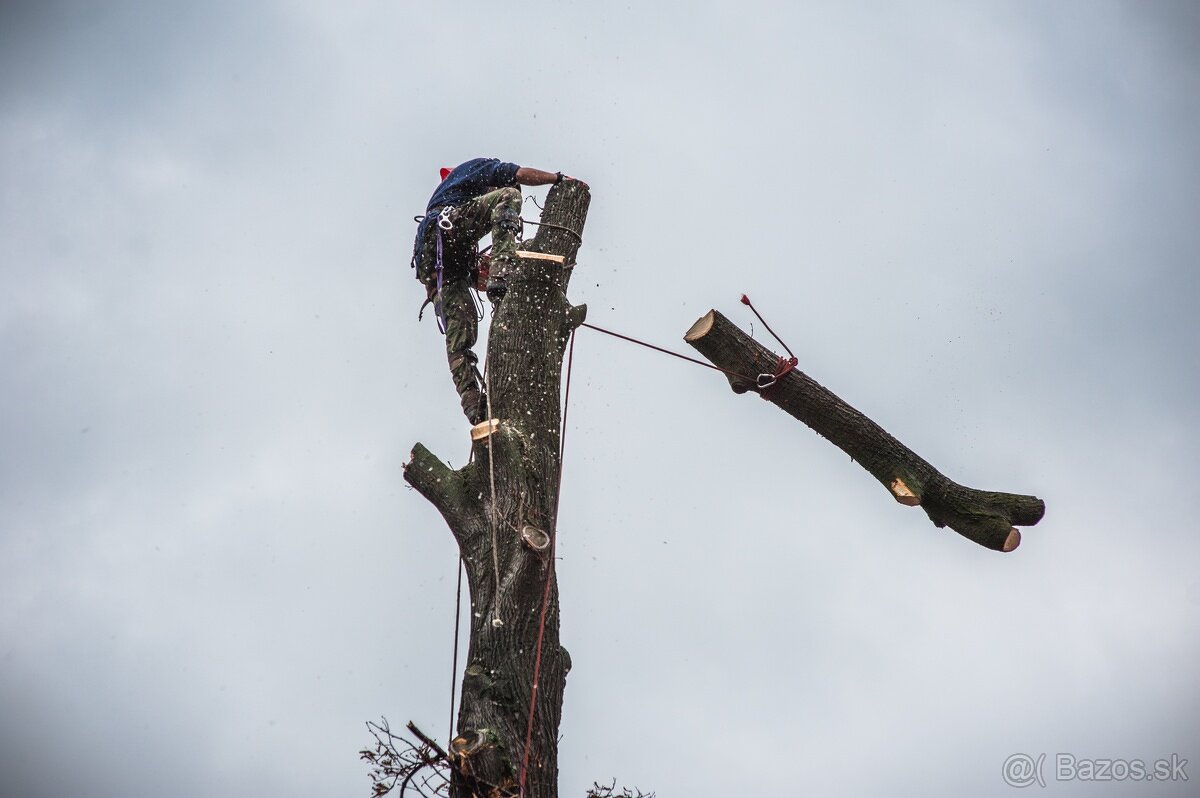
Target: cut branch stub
484 429
535 539
521 253
903 494
988 518
468 743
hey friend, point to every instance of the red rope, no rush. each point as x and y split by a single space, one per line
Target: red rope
746 302
782 366
537 657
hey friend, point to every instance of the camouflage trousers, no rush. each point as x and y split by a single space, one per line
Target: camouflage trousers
499 213
462 330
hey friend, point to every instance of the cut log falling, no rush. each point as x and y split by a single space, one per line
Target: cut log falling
988 518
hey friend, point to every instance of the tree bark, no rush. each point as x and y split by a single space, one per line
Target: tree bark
529 333
986 517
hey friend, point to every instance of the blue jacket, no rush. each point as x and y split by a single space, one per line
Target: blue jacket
473 179
469 180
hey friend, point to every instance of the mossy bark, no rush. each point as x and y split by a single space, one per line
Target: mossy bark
529 332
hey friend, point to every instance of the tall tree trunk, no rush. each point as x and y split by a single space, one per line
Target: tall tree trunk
497 505
986 517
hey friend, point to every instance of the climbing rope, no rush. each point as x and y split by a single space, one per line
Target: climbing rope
487 386
537 656
764 382
454 662
633 340
553 226
533 199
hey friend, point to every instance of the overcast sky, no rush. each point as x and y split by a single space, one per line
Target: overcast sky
976 222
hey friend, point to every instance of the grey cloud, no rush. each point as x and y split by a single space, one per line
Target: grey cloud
973 223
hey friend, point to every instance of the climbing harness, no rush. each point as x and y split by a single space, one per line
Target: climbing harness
439 308
444 225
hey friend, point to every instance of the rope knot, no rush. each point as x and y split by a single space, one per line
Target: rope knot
766 382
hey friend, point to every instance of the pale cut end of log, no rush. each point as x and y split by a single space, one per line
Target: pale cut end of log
700 328
468 743
485 429
904 494
1012 541
534 538
520 253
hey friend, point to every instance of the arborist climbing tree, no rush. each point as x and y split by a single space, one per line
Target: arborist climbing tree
502 507
475 198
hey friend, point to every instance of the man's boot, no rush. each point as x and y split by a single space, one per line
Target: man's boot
468 383
506 229
474 405
497 282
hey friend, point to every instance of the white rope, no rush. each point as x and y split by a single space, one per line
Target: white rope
487 386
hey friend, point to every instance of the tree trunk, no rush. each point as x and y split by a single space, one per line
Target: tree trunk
497 505
985 517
